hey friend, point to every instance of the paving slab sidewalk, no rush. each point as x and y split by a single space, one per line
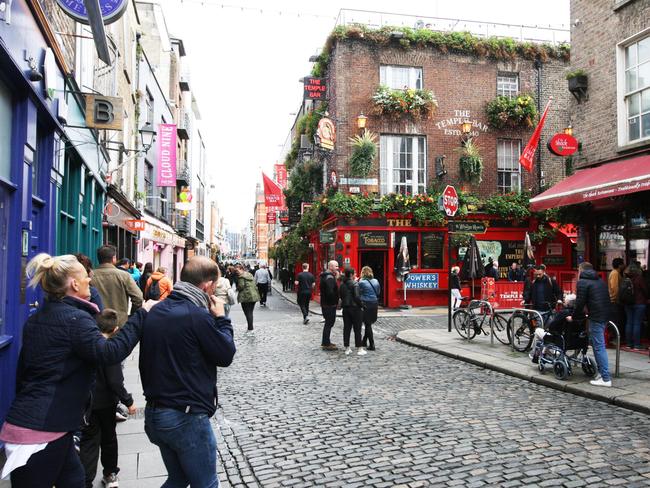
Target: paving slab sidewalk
630 390
314 306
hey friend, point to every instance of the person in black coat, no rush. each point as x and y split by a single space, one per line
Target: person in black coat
100 431
146 274
352 308
543 292
592 293
61 344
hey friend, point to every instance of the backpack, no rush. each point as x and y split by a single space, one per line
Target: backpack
154 290
626 292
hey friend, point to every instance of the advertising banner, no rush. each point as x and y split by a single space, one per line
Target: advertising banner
166 167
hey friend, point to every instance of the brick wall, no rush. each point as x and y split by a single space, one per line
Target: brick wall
460 83
63 24
596 29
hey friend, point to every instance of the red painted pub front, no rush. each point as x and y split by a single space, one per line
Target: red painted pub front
375 241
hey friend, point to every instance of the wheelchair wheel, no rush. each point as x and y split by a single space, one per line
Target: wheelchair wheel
520 331
589 367
463 324
501 329
560 369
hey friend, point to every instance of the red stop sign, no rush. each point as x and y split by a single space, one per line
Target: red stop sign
450 200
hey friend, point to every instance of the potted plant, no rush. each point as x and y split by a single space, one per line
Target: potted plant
471 164
416 103
578 84
511 113
364 151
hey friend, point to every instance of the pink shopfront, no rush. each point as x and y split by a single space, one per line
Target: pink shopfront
159 245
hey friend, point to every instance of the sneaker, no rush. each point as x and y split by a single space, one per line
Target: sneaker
330 347
121 413
361 352
110 481
601 382
348 351
305 320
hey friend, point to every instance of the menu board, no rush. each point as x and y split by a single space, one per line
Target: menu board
432 250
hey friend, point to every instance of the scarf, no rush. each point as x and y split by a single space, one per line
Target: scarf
192 293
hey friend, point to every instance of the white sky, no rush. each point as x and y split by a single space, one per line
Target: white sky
245 66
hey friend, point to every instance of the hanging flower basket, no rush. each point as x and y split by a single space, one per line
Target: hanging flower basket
418 104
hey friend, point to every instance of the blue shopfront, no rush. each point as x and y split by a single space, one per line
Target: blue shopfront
32 145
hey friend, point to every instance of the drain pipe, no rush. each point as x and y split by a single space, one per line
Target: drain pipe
537 64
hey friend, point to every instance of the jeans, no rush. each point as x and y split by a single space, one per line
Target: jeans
248 307
99 433
597 335
263 288
56 465
303 303
187 446
369 318
329 314
634 315
352 320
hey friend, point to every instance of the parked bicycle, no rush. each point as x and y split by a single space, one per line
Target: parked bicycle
478 317
522 324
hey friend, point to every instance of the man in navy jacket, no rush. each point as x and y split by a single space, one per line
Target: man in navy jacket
184 339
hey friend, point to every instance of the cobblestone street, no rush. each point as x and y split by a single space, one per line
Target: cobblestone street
293 415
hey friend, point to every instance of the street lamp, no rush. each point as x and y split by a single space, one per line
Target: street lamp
147 136
568 130
466 129
361 121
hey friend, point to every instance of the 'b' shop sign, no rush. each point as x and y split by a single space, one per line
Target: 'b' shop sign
315 88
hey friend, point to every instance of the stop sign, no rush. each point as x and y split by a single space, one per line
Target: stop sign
450 200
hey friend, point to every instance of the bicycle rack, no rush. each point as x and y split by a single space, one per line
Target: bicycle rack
526 310
618 348
484 302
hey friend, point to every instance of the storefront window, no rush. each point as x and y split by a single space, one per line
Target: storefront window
639 238
412 245
611 244
432 250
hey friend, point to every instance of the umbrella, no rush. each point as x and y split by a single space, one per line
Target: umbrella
472 263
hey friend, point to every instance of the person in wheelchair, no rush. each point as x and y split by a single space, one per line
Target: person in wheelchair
558 325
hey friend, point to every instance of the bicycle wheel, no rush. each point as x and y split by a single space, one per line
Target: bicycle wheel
501 329
520 331
463 324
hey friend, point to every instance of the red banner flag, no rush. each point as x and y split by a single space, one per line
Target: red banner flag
527 157
272 192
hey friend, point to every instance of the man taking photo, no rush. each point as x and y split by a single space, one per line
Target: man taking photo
184 339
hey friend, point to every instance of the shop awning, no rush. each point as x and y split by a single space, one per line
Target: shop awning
609 180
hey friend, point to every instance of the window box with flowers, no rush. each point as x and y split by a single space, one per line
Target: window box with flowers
418 104
511 113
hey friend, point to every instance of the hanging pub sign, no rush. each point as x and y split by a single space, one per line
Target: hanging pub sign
563 144
271 218
166 155
326 134
315 88
104 112
111 10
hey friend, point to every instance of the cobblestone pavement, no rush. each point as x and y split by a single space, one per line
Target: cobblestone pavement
293 415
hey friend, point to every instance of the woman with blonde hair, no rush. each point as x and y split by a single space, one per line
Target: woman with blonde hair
370 290
60 341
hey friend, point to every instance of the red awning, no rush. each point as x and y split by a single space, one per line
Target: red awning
609 180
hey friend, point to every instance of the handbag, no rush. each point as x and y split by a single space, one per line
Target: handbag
232 296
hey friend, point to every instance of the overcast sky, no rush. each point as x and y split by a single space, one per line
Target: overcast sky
246 63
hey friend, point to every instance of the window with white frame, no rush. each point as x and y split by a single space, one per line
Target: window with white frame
508 167
399 77
402 164
637 90
508 85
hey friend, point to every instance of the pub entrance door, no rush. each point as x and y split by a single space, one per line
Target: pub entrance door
377 261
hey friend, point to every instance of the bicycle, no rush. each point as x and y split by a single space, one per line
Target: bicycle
479 317
522 324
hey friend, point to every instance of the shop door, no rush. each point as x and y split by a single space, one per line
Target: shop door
377 261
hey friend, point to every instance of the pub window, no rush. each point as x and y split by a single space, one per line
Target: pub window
432 250
637 90
402 164
611 242
508 167
400 77
411 244
639 233
149 102
508 85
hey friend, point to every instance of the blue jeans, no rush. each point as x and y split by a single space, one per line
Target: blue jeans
187 445
597 335
634 315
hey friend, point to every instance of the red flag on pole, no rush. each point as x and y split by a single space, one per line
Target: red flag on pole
272 192
528 156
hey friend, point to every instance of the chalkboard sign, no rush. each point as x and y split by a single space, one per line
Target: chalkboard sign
432 250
